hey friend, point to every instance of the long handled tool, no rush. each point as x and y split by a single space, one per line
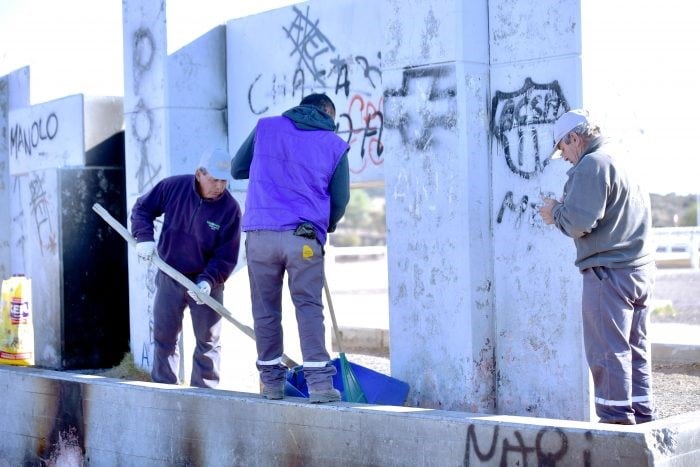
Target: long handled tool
183 280
352 391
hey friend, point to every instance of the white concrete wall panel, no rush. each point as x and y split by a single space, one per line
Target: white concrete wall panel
146 144
439 243
48 135
197 72
38 197
197 100
432 31
522 30
14 93
276 58
438 198
535 77
43 139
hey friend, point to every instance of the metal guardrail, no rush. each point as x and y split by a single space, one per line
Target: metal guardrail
677 246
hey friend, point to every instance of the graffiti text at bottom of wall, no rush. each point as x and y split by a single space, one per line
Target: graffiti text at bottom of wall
550 446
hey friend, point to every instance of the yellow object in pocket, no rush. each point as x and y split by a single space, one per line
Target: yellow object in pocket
307 252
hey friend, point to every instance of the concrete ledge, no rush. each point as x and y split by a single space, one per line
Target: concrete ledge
675 353
362 340
68 419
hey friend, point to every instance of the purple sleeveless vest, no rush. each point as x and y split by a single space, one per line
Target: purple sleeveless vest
289 177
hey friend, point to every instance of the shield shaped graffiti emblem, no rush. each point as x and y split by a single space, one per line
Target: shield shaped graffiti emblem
521 124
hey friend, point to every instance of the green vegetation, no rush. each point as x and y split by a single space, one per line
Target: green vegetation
664 208
665 310
364 223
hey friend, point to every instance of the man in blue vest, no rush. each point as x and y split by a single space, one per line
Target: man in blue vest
299 188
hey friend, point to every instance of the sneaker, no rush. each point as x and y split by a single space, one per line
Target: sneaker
328 395
273 392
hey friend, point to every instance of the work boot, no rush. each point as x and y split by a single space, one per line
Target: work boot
273 392
326 395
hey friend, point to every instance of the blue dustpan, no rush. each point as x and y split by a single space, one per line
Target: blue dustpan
379 389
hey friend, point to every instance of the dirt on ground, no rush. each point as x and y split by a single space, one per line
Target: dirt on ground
676 386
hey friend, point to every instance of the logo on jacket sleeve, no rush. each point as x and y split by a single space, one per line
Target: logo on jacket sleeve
213 225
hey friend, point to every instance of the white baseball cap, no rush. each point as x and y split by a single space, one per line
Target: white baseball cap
218 163
564 125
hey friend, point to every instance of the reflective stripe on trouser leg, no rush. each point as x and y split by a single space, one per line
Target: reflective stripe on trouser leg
206 324
168 307
607 320
266 272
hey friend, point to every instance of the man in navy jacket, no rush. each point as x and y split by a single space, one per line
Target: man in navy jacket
200 238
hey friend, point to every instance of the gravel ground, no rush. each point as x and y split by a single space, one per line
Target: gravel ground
676 387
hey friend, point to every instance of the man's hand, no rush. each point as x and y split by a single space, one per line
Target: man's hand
145 250
546 210
204 288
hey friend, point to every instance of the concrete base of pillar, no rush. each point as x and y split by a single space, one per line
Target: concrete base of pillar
70 419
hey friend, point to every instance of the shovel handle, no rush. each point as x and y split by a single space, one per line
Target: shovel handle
332 313
183 280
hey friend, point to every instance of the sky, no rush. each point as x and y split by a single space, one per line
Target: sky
640 59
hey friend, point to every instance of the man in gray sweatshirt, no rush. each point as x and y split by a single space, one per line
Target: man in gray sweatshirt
609 218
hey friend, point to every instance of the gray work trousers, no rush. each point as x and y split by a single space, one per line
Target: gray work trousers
615 316
168 311
270 254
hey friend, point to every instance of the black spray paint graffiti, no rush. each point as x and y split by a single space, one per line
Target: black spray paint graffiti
317 65
524 209
340 67
309 44
142 119
264 91
371 126
551 445
520 119
425 101
142 129
41 214
28 138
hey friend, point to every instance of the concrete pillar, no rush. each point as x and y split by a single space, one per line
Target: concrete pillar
435 78
146 144
535 55
175 109
14 94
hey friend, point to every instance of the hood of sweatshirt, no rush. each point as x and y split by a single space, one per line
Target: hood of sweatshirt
308 117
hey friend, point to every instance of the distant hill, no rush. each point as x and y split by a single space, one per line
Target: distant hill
665 207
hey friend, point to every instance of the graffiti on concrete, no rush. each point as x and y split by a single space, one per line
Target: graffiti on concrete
317 64
521 127
29 138
41 214
520 122
524 209
425 102
309 44
549 447
142 119
369 133
150 295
